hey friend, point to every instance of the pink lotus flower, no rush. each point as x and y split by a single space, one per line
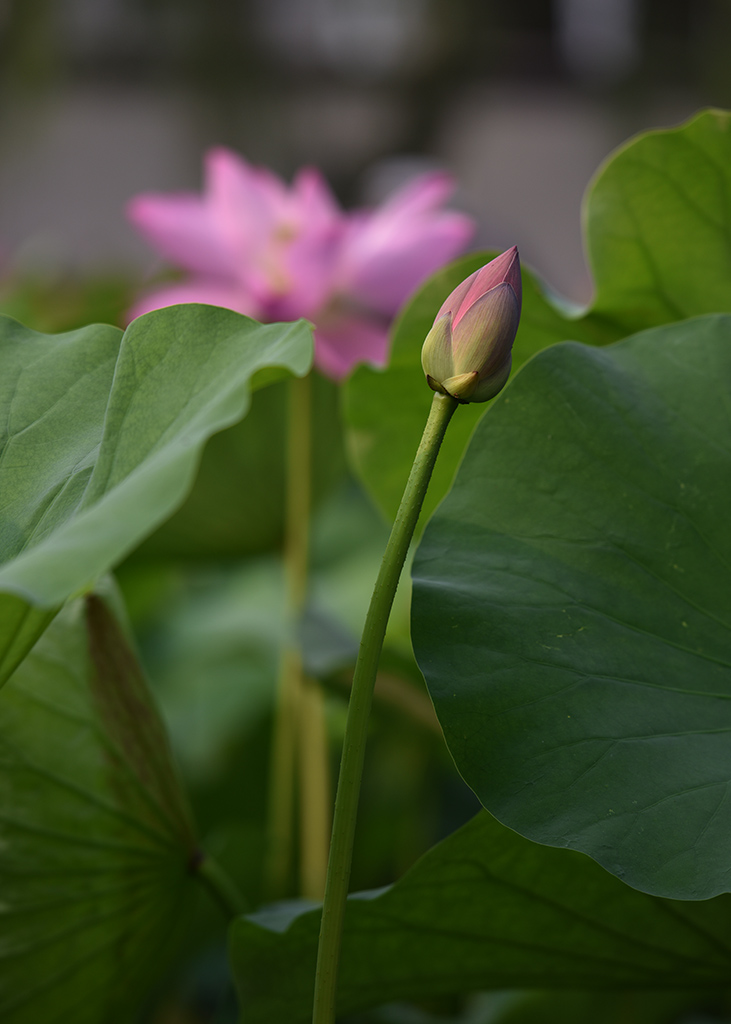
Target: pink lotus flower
252 244
468 351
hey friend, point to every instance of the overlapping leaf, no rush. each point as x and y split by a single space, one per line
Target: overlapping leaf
658 235
485 909
572 606
101 432
96 843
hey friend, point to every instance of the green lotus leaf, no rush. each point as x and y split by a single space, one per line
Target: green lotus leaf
572 606
484 909
101 434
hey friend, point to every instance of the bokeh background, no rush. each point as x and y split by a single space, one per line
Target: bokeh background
101 99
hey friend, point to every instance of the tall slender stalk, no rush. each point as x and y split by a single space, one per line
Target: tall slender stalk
315 791
351 766
281 776
299 734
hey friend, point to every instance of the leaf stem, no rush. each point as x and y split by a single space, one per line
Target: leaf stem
351 766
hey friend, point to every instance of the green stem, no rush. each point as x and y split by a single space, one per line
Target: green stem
298 499
222 888
299 717
296 542
351 766
315 794
280 837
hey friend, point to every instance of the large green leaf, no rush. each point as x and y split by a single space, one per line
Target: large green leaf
96 843
572 606
658 234
658 225
485 909
101 433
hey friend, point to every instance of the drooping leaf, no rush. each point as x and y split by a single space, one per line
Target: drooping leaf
484 909
658 235
96 842
572 606
101 433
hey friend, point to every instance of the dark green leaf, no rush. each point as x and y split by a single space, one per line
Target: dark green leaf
572 606
100 440
598 1008
485 909
95 838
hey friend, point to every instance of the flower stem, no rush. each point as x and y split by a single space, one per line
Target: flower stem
281 777
351 766
299 723
315 790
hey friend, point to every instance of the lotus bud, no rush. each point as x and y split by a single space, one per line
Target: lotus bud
468 352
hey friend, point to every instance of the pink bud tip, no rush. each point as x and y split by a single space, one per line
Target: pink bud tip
468 351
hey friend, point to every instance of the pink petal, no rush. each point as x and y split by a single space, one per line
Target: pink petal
315 202
484 338
311 264
456 297
418 196
310 258
347 341
285 238
390 251
181 228
383 266
246 204
249 199
504 268
212 293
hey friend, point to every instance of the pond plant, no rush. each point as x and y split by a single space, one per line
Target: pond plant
570 614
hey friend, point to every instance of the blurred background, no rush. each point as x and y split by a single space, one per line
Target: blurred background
101 99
